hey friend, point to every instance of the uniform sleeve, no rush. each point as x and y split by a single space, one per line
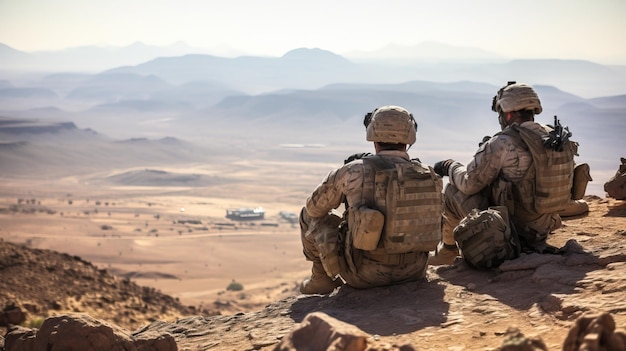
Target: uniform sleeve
484 167
326 196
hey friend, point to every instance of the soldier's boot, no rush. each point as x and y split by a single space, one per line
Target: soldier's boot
444 254
574 208
319 282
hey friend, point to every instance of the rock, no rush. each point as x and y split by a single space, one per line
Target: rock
19 338
595 333
82 332
516 341
320 332
154 341
12 315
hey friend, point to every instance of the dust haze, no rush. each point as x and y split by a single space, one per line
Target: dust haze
134 167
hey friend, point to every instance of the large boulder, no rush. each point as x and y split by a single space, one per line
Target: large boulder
595 333
80 332
320 332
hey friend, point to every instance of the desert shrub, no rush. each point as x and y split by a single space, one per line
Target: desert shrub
35 323
234 286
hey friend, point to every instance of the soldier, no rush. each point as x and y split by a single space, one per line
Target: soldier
503 172
371 245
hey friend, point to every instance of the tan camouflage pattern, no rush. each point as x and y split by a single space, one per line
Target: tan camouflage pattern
501 157
392 124
355 182
410 196
554 172
582 177
516 97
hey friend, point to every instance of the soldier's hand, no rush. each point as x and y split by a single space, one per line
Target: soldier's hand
443 167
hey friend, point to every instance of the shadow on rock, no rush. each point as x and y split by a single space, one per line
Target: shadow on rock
544 280
617 210
396 309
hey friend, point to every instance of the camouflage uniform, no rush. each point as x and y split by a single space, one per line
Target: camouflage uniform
500 158
354 183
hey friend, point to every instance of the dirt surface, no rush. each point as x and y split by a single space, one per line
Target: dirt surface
458 308
176 242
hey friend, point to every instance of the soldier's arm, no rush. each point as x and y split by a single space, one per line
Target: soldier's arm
326 196
484 167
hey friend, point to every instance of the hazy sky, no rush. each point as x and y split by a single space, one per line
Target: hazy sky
576 29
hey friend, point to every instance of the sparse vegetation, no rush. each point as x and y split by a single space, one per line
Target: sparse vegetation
234 286
34 322
189 221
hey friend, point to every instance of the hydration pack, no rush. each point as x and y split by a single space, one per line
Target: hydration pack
409 196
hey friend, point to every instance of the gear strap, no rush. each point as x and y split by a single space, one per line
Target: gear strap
393 259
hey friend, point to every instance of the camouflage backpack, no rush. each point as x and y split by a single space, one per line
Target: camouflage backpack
410 197
486 239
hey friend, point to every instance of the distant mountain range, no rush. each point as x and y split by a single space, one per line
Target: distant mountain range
248 105
98 58
87 58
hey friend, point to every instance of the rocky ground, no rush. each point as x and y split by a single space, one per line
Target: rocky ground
457 308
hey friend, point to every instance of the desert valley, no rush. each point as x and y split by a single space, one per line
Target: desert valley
134 170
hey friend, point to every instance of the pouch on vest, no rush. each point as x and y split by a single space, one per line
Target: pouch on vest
486 239
410 197
582 177
367 227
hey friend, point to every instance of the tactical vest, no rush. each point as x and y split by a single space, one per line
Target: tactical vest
546 187
409 196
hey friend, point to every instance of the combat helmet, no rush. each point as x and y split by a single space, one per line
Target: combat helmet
390 124
515 97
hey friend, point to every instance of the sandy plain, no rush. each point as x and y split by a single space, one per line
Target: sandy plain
174 238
